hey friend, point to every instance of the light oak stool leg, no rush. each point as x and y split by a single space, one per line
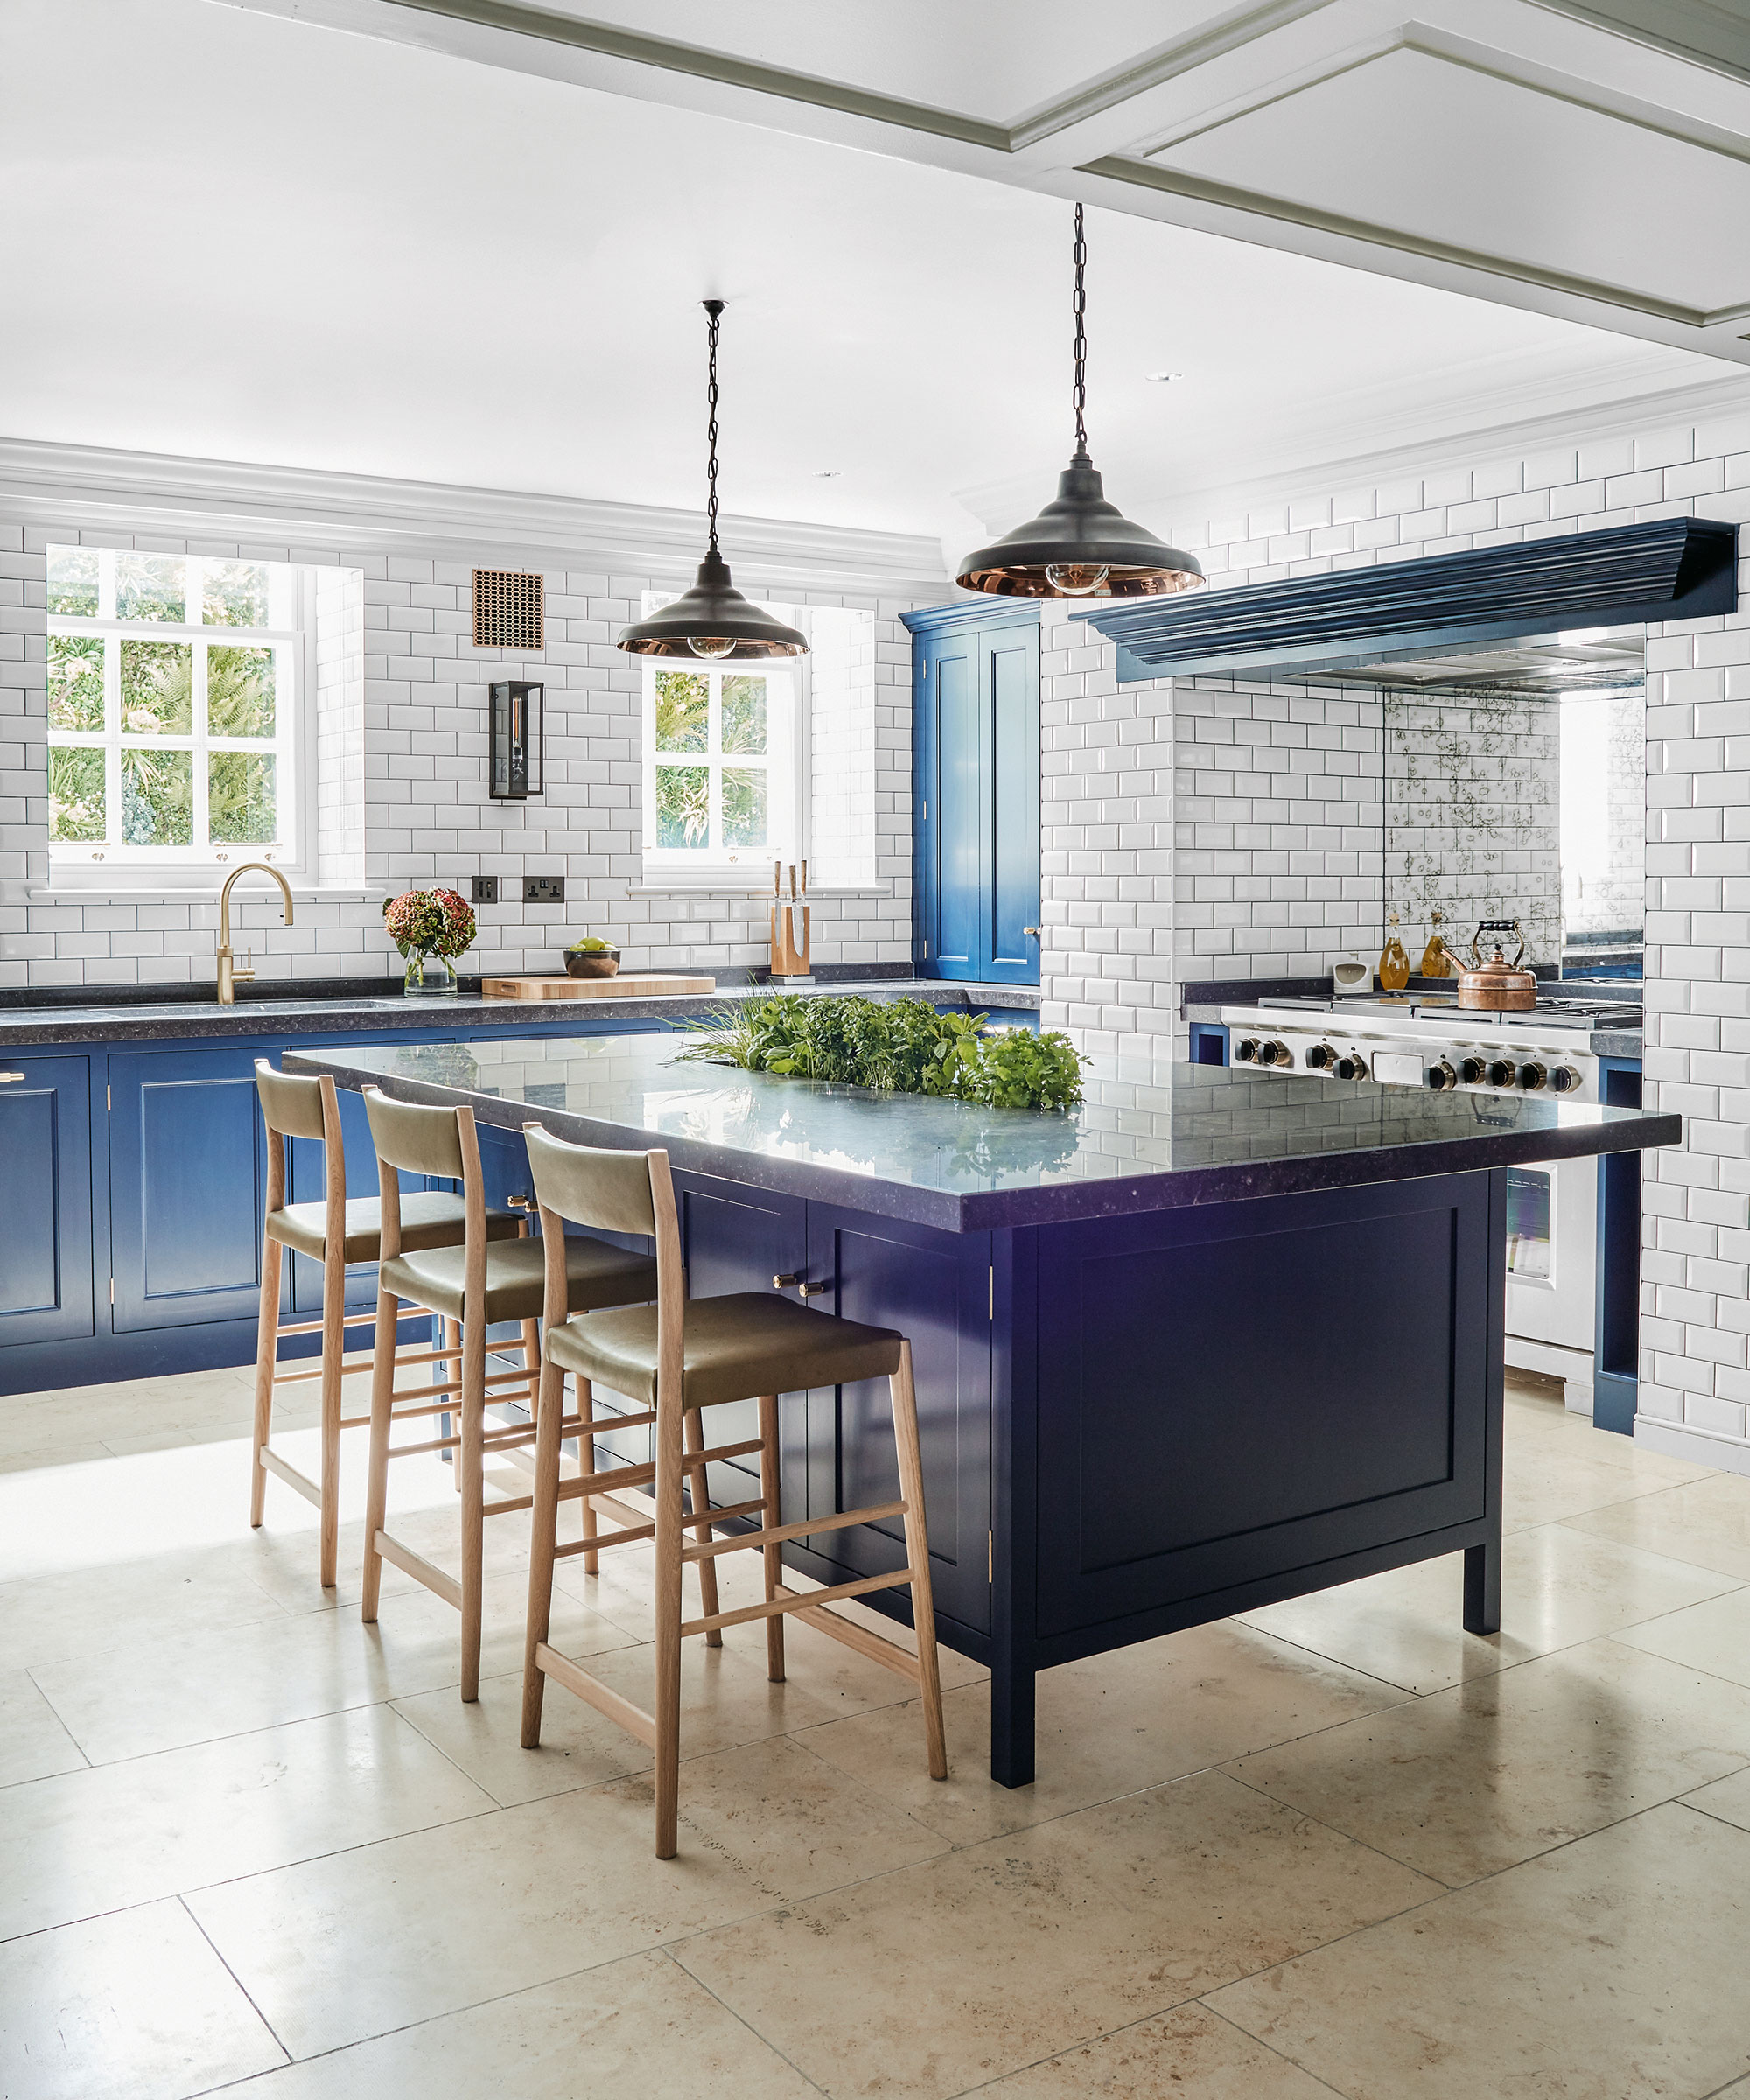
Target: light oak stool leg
473 1458
267 1350
588 1462
699 1499
544 1538
667 1703
376 1485
917 1556
334 1362
769 1517
450 1371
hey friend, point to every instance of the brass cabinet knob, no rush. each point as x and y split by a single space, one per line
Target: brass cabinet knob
785 1282
1038 931
811 1290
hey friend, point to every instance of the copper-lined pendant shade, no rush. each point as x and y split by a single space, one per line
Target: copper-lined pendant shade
712 621
1080 546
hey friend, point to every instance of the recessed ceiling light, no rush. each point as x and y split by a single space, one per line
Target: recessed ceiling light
827 473
1159 379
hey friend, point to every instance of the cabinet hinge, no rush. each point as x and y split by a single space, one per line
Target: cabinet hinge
992 1302
990 1559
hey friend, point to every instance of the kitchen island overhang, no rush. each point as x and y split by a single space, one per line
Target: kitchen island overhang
1209 1343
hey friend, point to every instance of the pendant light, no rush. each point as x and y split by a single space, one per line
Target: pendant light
713 621
1081 546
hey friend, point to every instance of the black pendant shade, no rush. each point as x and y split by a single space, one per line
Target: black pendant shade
713 621
1081 546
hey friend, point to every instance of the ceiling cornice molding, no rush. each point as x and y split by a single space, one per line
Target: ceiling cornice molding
47 484
1696 18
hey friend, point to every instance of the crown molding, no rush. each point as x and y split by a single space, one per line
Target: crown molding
45 484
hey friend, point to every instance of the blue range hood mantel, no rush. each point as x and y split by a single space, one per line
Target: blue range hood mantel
1671 569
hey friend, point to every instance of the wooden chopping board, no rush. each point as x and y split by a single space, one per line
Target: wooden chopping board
627 985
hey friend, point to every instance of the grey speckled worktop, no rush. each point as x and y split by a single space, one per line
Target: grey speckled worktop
161 1021
1153 1135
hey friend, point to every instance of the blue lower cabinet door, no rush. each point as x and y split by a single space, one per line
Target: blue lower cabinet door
45 1269
187 1179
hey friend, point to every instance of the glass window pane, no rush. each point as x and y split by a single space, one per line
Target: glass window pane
150 586
240 692
743 807
234 594
242 805
683 805
76 682
157 688
744 712
76 809
72 579
683 711
157 798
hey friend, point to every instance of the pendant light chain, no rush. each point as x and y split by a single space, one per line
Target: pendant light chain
713 313
1079 306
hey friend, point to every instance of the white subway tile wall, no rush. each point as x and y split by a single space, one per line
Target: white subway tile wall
1116 764
401 758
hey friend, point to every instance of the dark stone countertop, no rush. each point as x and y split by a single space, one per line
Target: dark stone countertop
1150 1136
155 1020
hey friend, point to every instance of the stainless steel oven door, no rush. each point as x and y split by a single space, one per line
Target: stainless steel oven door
1552 1253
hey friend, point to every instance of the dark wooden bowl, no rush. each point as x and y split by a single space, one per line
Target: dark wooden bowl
596 962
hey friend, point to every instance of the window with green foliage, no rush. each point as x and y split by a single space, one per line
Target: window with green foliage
720 762
170 706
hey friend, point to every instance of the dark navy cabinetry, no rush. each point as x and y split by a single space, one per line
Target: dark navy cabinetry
46 1276
976 792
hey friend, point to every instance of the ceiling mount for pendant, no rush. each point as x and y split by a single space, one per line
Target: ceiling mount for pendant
1081 545
713 621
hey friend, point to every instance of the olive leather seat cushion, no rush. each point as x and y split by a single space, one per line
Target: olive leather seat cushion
517 1276
429 1218
736 1347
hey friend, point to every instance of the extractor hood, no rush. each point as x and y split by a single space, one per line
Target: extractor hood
1554 615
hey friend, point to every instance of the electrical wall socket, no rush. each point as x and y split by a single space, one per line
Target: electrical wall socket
485 890
543 889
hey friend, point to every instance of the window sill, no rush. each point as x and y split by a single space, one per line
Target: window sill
727 886
156 892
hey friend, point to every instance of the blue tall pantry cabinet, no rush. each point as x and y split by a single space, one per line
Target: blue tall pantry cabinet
975 791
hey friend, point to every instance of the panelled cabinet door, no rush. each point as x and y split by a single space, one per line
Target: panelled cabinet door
46 1268
935 1287
188 1180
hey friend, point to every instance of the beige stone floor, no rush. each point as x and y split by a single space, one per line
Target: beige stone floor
1336 1847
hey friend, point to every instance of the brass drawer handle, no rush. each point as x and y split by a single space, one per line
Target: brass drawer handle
5 1076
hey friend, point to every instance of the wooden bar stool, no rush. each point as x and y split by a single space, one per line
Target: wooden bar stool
475 1284
673 1360
334 1232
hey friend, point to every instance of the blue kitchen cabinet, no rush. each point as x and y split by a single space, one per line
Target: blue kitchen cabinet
975 763
1616 1341
46 1290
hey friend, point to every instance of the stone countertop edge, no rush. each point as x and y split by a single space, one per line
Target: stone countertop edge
153 1023
1120 1196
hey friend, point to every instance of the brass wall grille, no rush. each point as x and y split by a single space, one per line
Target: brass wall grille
509 610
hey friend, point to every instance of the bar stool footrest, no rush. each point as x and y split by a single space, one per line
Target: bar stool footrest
593 1692
272 1462
789 1602
422 1569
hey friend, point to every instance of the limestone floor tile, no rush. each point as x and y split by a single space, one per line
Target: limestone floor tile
1560 1585
33 1743
135 2003
1112 1725
578 1747
364 1942
639 2029
1713 1635
114 1834
1549 1479
1728 1798
1705 1523
1467 1782
45 1461
726 1698
941 1976
91 1611
1610 1970
1188 2053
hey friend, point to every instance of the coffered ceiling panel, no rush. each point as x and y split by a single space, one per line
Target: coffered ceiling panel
1413 145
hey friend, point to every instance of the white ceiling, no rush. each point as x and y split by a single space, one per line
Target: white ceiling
255 238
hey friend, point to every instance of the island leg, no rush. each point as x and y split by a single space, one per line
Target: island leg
1012 1719
1483 1587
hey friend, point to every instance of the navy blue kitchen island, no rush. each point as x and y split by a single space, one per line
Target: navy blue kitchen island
1209 1342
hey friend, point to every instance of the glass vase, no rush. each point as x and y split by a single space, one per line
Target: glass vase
428 977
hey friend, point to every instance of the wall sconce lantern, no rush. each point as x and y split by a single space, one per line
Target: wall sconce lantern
518 743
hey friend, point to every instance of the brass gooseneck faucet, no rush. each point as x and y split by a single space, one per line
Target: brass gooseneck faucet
229 972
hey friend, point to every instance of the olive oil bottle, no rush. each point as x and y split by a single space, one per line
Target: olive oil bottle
1394 964
1436 962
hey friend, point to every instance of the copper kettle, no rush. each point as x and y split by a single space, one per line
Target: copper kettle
1497 986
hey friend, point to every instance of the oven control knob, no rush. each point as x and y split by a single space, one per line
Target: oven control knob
1499 1071
1320 1057
1246 1050
1532 1075
1275 1053
1440 1076
1564 1079
1352 1065
1473 1071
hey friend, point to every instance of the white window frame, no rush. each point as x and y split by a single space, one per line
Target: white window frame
110 865
789 694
